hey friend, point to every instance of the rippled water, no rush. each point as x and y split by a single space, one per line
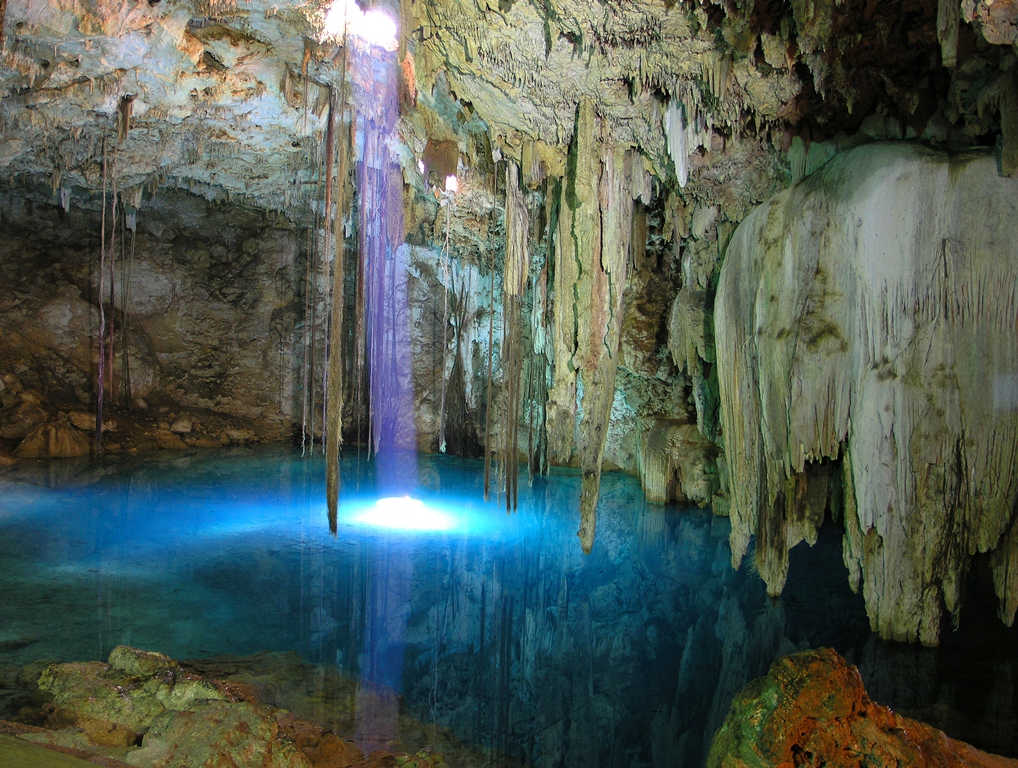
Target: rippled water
494 625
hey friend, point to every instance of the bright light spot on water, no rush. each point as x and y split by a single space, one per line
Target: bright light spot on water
451 184
404 513
420 166
374 27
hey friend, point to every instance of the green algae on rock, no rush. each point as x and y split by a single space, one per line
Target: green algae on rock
144 709
812 709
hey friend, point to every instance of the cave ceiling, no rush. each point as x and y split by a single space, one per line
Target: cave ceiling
228 98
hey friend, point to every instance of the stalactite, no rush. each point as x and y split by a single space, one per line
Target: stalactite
316 247
598 349
546 321
334 393
676 135
126 276
373 289
537 386
124 110
310 295
332 481
460 430
360 316
491 335
112 255
330 141
304 361
514 282
131 201
948 21
687 128
447 278
561 405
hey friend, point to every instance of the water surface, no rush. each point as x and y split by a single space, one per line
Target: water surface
494 625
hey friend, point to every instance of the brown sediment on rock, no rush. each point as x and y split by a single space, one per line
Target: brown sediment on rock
812 709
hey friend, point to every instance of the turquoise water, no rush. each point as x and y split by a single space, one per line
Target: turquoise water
494 625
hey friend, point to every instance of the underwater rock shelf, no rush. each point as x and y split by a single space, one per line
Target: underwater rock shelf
144 709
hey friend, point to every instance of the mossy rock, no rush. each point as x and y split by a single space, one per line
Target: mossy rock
114 702
141 663
221 733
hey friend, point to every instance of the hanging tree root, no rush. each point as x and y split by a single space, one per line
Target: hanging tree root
334 392
100 368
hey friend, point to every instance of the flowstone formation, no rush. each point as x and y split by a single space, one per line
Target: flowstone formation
865 324
811 709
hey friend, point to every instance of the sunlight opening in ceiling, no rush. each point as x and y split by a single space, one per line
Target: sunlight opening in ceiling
375 27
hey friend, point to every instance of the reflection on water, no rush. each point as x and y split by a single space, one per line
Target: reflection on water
496 626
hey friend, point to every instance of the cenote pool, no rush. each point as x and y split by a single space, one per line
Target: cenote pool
493 626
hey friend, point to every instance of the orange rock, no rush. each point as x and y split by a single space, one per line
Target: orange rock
812 709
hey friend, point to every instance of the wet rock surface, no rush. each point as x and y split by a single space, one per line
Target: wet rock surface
812 709
144 709
207 335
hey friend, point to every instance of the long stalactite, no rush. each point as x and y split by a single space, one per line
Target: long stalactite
491 339
112 257
604 282
514 283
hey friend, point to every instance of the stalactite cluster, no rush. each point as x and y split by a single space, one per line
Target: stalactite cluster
866 316
697 111
591 261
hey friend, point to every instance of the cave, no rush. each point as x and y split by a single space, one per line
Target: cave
502 384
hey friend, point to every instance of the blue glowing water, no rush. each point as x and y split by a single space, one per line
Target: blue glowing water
494 625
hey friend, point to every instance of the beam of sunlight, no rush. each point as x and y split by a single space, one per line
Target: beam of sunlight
374 27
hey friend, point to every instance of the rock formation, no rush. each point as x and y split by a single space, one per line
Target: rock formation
145 709
811 709
866 316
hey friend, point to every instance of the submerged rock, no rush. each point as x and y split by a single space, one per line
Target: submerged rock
137 662
116 703
217 733
143 709
812 709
